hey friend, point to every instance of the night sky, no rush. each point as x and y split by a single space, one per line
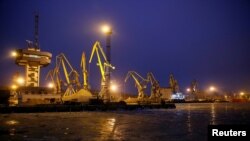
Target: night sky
206 40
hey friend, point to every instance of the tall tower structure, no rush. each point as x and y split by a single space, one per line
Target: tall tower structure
107 30
32 58
108 69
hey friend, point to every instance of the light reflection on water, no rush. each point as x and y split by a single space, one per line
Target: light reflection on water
213 115
12 131
110 130
189 124
111 124
11 122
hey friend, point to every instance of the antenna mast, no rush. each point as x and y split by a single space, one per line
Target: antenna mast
36 43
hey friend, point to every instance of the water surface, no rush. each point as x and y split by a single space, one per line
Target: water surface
187 122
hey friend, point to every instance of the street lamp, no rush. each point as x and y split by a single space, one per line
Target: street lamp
20 81
13 87
242 93
13 53
113 87
212 88
50 85
188 90
106 29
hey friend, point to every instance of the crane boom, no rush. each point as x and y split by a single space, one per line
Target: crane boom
61 60
70 74
152 79
96 48
103 64
84 71
140 85
65 72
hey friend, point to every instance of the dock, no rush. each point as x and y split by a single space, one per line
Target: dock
82 107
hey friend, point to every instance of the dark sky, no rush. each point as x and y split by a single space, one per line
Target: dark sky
206 40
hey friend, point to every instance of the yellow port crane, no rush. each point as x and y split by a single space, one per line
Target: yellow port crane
71 75
74 93
98 50
155 88
140 83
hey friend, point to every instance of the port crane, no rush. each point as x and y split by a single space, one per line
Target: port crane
71 75
140 83
74 92
155 88
193 87
173 84
103 63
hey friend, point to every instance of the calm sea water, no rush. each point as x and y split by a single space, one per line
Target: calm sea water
188 122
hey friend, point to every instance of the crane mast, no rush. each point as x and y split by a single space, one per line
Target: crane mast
140 85
84 71
57 79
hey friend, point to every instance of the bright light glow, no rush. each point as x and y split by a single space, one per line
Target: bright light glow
114 87
242 93
188 90
106 29
13 86
13 53
50 85
211 88
34 56
12 122
20 80
177 96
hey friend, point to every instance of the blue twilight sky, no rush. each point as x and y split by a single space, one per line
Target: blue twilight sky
206 40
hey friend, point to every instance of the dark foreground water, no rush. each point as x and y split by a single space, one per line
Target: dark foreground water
188 122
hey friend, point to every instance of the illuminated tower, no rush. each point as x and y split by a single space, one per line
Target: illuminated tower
108 31
108 52
32 58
